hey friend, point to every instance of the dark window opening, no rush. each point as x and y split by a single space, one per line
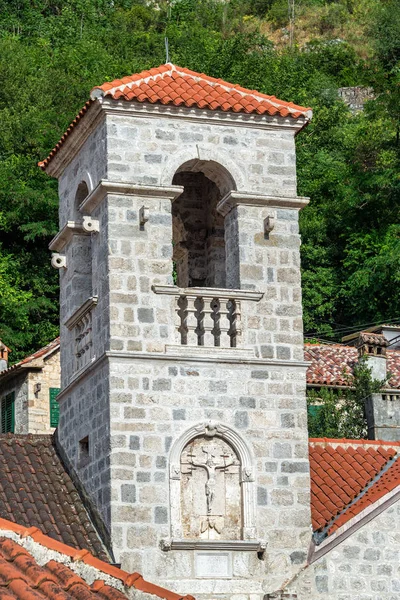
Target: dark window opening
198 233
84 454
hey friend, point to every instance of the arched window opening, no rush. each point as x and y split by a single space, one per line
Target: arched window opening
81 193
198 228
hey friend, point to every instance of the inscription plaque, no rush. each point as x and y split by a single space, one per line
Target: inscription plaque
213 564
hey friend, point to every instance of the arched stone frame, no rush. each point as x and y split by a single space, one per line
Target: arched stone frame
227 171
85 181
247 475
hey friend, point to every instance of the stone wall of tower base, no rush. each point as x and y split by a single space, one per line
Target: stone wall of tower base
153 401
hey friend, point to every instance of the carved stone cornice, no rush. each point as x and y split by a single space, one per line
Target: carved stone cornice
232 199
81 312
235 545
122 188
205 292
67 149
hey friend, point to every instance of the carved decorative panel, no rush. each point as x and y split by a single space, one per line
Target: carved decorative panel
211 502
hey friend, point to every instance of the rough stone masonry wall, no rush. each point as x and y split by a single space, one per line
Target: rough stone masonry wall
84 407
39 403
87 256
363 567
149 151
85 412
152 403
154 400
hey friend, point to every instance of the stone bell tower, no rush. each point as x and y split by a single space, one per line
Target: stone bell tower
183 406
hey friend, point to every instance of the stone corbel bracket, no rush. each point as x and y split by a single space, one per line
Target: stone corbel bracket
232 199
143 216
269 224
58 261
71 228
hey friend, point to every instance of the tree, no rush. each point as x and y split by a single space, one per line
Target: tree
341 413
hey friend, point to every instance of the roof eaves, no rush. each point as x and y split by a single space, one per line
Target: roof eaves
128 580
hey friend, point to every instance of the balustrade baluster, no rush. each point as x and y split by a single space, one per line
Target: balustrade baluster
224 323
208 323
236 329
191 321
180 318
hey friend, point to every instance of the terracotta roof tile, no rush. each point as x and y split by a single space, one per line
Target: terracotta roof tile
25 362
333 364
173 85
22 578
386 483
36 491
341 470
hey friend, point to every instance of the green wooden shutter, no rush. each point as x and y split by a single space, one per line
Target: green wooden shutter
54 407
8 413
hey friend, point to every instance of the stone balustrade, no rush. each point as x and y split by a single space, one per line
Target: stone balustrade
209 316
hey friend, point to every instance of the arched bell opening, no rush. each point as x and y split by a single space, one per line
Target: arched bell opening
198 228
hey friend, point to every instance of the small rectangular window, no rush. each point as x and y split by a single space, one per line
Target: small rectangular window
8 413
54 406
84 454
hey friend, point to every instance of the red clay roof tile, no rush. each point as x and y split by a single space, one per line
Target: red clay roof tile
49 349
173 85
333 364
23 579
45 496
341 470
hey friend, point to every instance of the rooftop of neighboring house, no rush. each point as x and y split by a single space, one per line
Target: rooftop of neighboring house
332 364
33 566
33 361
37 491
349 480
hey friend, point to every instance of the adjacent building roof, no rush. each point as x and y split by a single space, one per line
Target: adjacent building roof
32 361
36 491
332 365
25 574
177 86
347 476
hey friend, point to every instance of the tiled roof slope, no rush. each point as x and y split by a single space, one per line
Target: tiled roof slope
22 578
36 491
385 484
172 85
333 364
341 470
25 362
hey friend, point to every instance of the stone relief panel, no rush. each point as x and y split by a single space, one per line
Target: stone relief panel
211 499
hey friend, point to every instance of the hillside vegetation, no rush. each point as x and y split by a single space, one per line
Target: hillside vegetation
52 52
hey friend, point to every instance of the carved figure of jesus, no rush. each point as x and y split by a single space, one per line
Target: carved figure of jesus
211 466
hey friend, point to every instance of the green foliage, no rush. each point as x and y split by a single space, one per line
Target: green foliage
52 52
341 414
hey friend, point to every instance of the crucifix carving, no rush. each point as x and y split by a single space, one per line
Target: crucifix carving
211 464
